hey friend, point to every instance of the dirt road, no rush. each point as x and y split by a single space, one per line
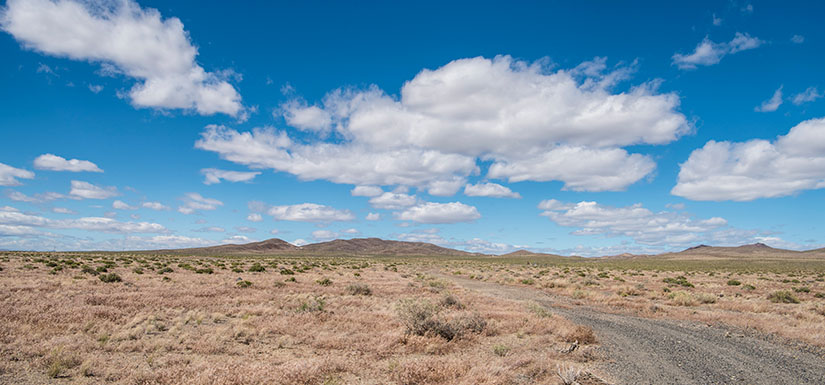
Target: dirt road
647 351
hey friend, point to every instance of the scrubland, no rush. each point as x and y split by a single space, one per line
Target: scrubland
784 303
156 319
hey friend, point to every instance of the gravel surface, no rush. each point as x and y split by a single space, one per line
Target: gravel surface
649 351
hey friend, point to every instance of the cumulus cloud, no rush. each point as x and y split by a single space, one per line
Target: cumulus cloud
431 212
154 206
366 191
373 216
709 53
129 40
121 205
13 217
798 39
254 217
487 189
213 175
324 235
53 162
86 190
9 175
744 171
309 212
194 202
505 111
810 94
299 242
771 104
636 222
393 201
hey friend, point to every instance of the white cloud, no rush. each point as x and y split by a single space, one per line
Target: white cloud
810 94
366 191
254 217
299 242
758 168
210 229
95 88
373 216
128 40
581 168
213 175
798 39
306 118
431 212
309 212
121 205
194 202
12 216
351 231
504 110
274 231
86 190
771 104
9 175
17 196
324 235
636 222
717 21
53 162
237 239
393 201
154 206
246 229
489 190
709 53
63 210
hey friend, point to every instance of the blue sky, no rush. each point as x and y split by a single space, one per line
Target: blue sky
589 128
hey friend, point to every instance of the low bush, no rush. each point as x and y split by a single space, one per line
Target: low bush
324 282
257 268
734 282
359 289
207 270
244 284
452 301
110 277
680 281
782 296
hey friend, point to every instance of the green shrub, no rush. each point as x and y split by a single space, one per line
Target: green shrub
207 270
782 296
165 270
257 268
137 270
734 282
244 284
89 270
111 277
315 305
802 289
501 350
287 272
680 281
324 282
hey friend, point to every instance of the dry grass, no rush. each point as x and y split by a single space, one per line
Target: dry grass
298 321
787 304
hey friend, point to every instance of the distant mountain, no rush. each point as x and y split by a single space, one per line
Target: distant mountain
268 246
377 246
752 251
528 253
357 246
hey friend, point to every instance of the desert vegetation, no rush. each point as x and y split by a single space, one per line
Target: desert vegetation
159 319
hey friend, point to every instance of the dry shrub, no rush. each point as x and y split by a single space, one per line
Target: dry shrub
359 289
581 333
682 298
423 318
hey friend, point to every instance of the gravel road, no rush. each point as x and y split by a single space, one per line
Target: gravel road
648 351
